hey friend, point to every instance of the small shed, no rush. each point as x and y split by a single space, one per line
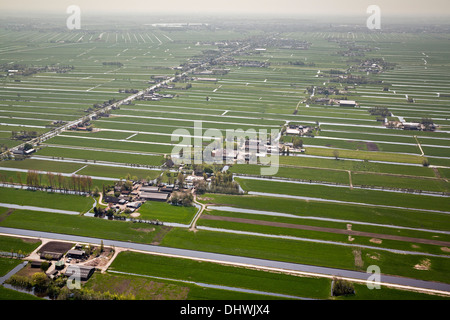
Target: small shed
77 254
110 199
347 103
134 205
36 264
149 189
154 196
166 189
59 265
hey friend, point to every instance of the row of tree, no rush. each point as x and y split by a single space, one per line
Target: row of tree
52 181
181 199
23 135
57 288
221 182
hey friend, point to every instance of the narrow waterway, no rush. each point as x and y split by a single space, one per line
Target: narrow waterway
288 215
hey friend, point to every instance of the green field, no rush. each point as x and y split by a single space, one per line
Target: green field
26 246
44 199
83 226
165 212
343 212
355 167
304 252
372 197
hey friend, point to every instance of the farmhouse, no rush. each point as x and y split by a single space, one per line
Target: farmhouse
294 131
298 130
22 151
76 254
206 79
84 272
149 189
347 103
167 189
154 196
134 205
411 126
113 200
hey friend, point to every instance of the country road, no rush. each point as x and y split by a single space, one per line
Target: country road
267 265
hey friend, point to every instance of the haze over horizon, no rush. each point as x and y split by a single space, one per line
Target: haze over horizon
404 8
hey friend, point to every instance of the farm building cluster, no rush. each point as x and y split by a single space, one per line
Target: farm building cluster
299 130
73 261
334 102
402 125
130 200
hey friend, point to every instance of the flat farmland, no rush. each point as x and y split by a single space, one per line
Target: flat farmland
352 192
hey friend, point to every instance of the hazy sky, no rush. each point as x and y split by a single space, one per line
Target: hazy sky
292 7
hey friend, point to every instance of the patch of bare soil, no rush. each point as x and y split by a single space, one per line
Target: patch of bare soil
28 271
445 249
375 240
146 230
144 288
375 256
135 214
55 246
102 259
30 240
359 263
6 214
371 146
425 264
160 235
97 262
204 198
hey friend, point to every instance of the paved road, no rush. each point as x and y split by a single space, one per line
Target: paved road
442 288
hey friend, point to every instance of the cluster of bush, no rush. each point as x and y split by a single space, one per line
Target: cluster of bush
221 182
184 199
342 288
57 288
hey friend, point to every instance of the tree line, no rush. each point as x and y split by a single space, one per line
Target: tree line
51 180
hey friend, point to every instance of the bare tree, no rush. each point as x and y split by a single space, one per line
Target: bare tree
19 178
336 154
51 179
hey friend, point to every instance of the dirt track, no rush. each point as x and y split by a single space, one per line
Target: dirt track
330 230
